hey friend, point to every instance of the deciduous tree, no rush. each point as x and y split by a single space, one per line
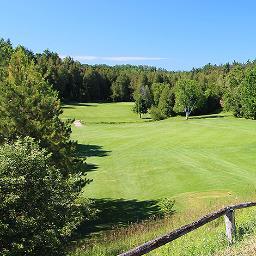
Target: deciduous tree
38 205
188 96
248 95
166 101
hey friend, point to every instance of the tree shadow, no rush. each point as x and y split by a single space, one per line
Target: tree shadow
67 107
84 104
90 167
71 104
117 212
206 117
91 150
84 151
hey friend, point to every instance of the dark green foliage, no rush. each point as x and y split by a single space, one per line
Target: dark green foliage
144 91
40 181
121 88
158 78
156 91
6 51
147 96
240 94
212 103
30 107
37 204
140 106
95 87
232 93
166 101
248 95
221 85
143 97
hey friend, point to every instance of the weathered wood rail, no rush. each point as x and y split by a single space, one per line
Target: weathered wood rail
229 217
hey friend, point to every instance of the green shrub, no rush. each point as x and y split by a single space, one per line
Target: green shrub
166 206
37 206
166 101
156 114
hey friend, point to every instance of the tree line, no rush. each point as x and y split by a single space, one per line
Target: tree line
154 90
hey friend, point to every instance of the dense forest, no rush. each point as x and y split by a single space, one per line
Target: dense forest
152 88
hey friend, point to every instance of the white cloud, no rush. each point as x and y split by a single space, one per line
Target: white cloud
85 58
114 58
127 58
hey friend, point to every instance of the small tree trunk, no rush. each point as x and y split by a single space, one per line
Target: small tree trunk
187 115
140 115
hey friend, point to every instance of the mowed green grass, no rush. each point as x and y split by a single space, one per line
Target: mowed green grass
102 112
137 159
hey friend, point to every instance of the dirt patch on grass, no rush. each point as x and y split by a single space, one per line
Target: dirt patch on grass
77 123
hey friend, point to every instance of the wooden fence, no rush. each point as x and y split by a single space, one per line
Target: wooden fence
229 218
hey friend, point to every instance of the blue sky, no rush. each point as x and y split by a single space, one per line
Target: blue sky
174 34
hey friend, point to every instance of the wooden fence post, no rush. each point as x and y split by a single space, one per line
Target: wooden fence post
229 218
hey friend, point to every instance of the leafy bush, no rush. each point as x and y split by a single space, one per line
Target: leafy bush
37 206
156 114
140 105
166 206
166 101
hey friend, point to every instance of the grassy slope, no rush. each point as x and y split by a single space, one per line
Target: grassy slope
148 160
101 112
208 240
245 248
201 159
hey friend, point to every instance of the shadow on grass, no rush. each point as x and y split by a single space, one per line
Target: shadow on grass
244 230
118 212
84 104
206 117
85 151
74 104
91 150
67 107
90 167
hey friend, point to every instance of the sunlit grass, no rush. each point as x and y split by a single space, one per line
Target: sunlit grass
203 163
150 160
207 240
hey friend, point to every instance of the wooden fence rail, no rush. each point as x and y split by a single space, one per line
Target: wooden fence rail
229 217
